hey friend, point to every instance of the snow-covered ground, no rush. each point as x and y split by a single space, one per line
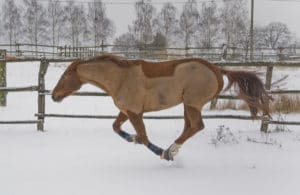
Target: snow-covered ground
84 156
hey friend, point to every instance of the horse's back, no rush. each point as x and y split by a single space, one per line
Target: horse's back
191 82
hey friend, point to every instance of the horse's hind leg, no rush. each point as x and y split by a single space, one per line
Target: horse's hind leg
121 118
193 124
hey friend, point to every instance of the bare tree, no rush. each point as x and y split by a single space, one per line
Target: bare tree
55 13
126 43
36 23
143 25
274 35
75 24
159 41
11 18
209 24
101 26
166 22
188 22
234 21
140 33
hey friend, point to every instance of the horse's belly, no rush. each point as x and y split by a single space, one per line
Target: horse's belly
162 93
160 102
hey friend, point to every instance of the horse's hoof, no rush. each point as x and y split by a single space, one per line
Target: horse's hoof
170 152
167 155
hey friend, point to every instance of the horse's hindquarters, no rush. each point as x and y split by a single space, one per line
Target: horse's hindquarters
200 84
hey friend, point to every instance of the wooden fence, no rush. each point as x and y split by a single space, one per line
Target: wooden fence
40 87
32 51
42 93
2 77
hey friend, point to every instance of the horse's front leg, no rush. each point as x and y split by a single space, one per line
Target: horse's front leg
138 124
121 119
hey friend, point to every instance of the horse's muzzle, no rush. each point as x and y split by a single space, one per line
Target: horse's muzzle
56 98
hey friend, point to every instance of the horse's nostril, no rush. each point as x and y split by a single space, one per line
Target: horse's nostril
54 98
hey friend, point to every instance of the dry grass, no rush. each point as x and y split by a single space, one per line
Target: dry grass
232 105
281 104
286 104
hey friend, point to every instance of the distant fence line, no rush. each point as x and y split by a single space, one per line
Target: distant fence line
42 92
24 51
3 77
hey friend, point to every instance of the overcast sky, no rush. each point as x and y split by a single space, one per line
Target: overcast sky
287 11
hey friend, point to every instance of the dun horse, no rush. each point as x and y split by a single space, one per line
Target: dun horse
137 86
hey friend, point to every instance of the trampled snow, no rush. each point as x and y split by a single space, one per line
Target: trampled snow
85 156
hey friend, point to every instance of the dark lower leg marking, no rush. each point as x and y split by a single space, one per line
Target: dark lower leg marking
157 150
117 128
129 137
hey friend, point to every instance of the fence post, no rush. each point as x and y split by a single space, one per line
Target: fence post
65 53
80 52
186 54
3 77
41 94
265 121
102 47
18 51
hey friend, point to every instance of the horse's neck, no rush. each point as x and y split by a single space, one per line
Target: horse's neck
104 76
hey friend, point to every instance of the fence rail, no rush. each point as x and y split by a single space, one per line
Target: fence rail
19 122
239 117
145 117
19 89
42 92
24 51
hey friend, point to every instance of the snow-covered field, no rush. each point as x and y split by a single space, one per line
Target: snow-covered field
84 156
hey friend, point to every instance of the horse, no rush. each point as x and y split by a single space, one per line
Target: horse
138 86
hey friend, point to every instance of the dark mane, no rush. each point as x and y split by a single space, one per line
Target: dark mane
150 69
122 62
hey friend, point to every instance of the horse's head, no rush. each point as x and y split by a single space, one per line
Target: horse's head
68 83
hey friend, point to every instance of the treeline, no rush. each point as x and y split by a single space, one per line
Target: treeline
204 24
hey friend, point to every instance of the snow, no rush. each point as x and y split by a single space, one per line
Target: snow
84 156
